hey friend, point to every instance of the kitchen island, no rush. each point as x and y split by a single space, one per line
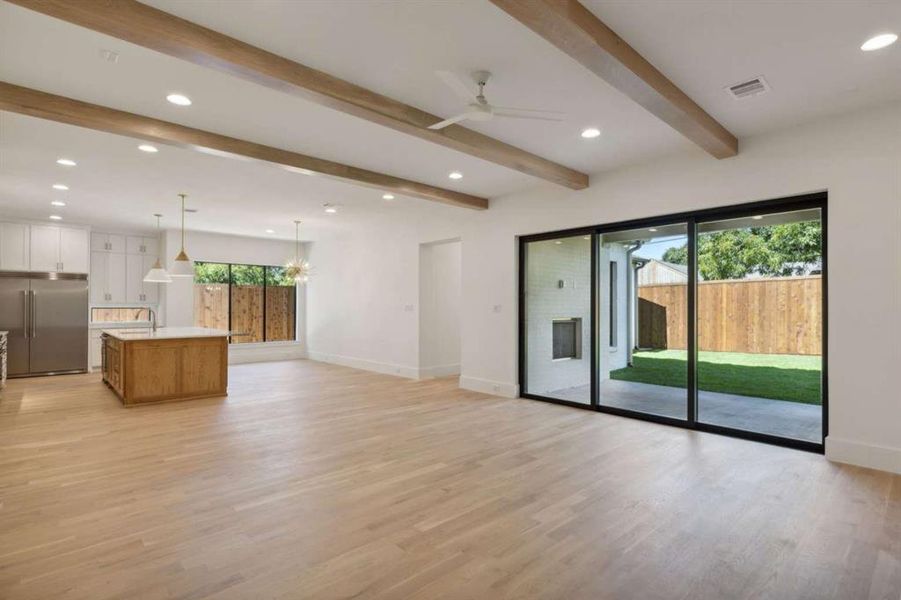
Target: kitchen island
144 365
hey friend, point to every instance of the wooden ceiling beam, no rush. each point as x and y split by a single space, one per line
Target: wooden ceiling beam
146 26
577 32
34 103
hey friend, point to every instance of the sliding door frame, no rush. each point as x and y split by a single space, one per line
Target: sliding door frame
692 219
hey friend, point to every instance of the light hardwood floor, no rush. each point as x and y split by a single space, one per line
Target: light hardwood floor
317 481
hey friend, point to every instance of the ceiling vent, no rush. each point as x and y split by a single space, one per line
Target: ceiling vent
749 88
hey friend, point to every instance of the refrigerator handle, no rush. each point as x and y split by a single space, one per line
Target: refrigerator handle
34 312
25 323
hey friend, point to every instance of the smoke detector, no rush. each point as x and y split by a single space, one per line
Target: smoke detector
748 89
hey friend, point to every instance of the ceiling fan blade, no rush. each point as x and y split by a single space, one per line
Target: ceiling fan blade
510 110
450 121
457 85
506 115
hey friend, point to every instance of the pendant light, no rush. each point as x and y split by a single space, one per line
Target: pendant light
157 274
298 269
182 266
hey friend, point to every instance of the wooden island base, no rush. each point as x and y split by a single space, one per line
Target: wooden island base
144 371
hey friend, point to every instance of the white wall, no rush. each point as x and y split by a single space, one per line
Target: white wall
857 158
440 266
356 304
363 301
177 298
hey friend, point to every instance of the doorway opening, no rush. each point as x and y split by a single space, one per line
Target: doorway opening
440 271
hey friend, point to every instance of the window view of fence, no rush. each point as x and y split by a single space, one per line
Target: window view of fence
256 303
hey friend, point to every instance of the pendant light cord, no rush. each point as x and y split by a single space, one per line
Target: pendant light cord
182 222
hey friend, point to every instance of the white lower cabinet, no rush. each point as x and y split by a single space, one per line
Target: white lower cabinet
96 349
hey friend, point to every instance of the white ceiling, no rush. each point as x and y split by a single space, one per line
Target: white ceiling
808 51
117 186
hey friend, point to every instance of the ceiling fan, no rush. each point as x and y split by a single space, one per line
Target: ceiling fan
479 109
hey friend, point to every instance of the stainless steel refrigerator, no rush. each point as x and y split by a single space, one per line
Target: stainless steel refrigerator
46 315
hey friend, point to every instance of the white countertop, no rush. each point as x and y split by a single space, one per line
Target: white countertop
164 333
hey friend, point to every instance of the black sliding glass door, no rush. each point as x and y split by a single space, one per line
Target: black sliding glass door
713 320
643 324
760 335
556 303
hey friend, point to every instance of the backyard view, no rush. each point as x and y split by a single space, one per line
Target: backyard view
256 303
778 376
759 325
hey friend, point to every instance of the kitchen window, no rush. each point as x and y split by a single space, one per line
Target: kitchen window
256 303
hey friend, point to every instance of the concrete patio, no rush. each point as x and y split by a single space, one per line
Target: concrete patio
774 417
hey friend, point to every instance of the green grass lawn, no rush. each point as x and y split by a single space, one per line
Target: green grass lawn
778 376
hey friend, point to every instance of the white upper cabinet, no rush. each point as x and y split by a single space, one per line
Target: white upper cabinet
73 250
107 242
61 249
118 265
99 242
140 245
44 248
151 290
99 276
14 247
116 278
134 286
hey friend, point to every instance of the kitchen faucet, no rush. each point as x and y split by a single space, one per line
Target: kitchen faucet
152 318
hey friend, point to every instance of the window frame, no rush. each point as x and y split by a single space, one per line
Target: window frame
266 285
692 219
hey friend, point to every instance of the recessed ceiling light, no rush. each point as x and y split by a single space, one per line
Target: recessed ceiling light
58 203
66 162
757 217
880 41
455 175
558 242
56 217
591 132
147 148
652 229
179 99
270 231
298 170
330 208
60 186
587 237
387 196
109 56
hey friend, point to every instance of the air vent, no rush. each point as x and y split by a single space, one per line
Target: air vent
748 89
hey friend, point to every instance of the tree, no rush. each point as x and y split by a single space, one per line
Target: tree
776 250
676 255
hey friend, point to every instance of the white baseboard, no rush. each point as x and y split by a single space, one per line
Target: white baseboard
365 365
250 353
863 455
439 371
486 386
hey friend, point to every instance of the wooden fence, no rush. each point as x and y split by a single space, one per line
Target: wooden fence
211 310
782 315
